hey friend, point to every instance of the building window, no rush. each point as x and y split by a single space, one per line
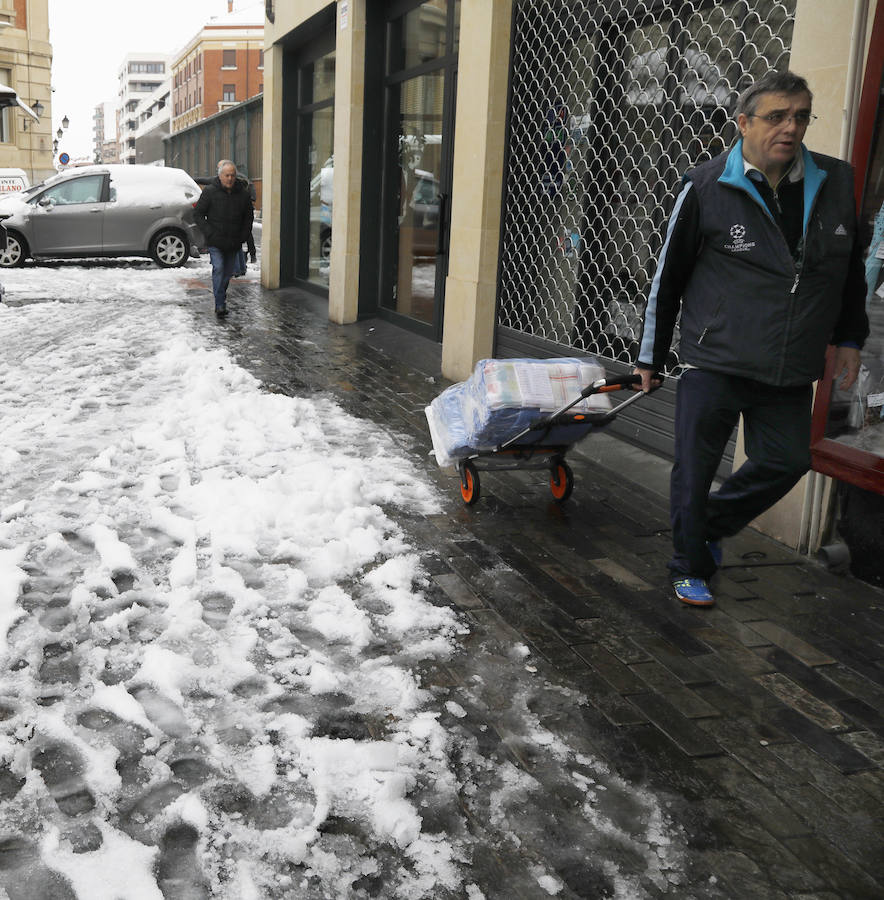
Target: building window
6 114
153 68
260 59
228 59
229 94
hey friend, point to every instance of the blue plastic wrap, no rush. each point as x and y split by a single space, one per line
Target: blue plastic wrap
503 397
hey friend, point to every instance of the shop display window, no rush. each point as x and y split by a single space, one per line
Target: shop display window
848 431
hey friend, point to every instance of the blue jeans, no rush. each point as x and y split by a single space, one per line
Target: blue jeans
223 266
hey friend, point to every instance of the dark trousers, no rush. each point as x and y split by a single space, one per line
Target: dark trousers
776 428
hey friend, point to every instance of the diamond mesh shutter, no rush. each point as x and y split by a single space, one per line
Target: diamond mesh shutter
611 104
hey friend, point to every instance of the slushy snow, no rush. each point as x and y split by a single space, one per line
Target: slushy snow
213 628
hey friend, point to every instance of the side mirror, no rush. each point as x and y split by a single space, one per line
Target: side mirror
45 201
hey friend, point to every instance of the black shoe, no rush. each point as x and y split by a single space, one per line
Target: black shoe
253 259
220 311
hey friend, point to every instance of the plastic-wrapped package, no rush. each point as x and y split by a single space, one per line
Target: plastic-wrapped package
504 396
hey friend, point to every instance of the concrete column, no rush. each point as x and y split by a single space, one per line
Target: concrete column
343 285
479 146
271 166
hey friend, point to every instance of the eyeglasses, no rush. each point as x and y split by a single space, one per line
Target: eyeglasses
802 119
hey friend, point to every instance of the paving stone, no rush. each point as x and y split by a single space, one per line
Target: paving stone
800 700
851 793
740 738
872 783
836 750
668 655
809 655
870 745
857 836
458 591
681 731
616 673
600 630
771 855
720 617
860 711
736 875
812 679
620 573
545 585
774 816
732 651
855 685
616 709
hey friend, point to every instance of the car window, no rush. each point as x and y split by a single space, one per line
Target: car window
77 190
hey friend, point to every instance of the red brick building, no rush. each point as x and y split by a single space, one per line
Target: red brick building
222 65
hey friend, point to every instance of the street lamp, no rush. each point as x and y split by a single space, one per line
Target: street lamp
38 108
59 134
65 122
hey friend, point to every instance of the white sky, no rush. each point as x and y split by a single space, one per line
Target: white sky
91 37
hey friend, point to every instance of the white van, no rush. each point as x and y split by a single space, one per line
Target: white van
13 180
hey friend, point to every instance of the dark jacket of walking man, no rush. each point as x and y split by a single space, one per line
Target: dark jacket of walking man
224 214
761 257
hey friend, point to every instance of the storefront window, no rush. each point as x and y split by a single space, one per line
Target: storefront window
316 94
424 34
420 163
321 170
856 417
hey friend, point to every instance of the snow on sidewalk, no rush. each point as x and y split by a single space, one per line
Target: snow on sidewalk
212 629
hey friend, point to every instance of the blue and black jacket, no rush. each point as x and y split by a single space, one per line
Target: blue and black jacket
750 304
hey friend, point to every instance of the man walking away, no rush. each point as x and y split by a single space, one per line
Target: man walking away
250 240
224 214
761 257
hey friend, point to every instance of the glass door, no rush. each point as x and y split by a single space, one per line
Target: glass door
422 67
313 182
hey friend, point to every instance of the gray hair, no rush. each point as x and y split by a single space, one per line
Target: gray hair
226 162
772 83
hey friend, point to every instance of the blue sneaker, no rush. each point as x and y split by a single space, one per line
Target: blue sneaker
693 591
716 551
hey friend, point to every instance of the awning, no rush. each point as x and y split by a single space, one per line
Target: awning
8 97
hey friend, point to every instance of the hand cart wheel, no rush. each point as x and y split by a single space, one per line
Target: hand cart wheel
469 483
561 480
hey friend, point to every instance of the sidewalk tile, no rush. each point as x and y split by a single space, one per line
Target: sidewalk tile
780 636
681 731
836 750
803 702
766 808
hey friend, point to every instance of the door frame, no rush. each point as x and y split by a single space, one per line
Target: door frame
312 41
387 210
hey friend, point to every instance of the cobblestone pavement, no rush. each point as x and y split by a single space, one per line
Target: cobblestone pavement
760 720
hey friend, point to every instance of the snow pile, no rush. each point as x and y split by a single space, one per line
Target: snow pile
215 640
217 573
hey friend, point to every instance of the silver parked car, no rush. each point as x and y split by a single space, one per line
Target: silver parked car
112 210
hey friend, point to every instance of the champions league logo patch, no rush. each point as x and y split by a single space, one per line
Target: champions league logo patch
739 244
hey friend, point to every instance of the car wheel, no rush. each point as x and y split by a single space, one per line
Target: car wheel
169 249
16 251
325 243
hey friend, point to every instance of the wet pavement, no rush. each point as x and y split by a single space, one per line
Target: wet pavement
759 722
